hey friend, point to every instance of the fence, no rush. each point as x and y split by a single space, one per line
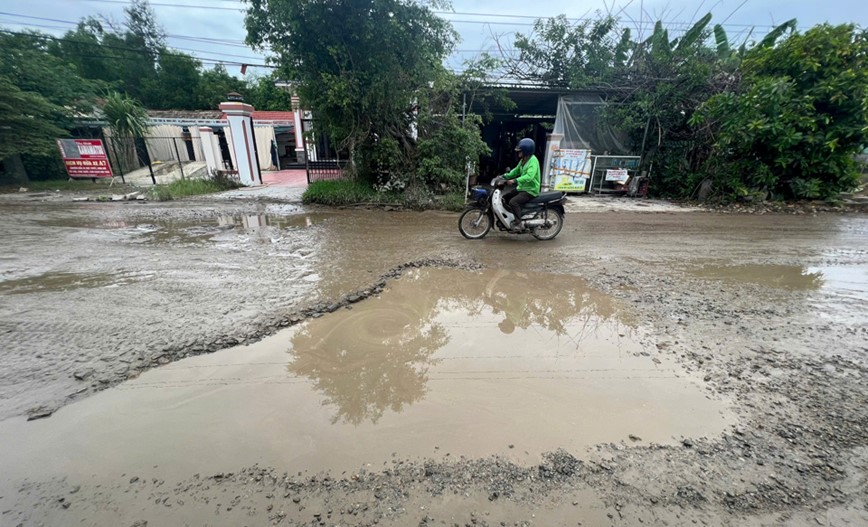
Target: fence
325 170
327 163
172 157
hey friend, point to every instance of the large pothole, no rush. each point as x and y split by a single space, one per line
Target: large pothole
444 363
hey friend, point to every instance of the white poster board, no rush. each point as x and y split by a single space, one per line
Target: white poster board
570 169
618 175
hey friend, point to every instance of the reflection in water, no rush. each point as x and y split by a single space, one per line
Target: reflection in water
370 359
258 221
380 354
260 227
794 277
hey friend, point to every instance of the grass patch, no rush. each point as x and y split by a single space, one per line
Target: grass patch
183 188
453 201
346 192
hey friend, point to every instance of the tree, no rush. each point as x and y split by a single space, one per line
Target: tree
654 86
358 64
127 121
560 53
177 82
26 63
135 60
449 137
41 94
799 119
86 48
263 94
26 126
143 28
214 84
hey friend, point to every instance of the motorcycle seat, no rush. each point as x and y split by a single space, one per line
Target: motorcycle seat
546 197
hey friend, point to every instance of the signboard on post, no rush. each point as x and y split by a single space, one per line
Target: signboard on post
570 169
85 158
618 175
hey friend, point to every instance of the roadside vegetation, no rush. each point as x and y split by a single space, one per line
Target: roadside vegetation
782 116
183 188
351 192
48 81
779 116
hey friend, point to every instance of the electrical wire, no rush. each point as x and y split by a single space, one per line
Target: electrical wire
242 7
209 60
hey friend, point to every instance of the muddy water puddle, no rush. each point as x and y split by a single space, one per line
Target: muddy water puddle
442 364
192 231
841 282
794 277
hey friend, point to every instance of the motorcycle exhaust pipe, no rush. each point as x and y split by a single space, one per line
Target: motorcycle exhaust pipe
535 223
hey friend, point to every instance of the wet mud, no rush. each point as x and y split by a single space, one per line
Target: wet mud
640 369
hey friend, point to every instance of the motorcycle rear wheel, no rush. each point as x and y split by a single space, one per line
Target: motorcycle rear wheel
474 224
548 233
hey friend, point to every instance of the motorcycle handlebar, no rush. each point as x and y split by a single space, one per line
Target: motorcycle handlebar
499 181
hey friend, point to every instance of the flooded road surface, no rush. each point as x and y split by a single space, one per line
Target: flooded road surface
443 363
94 294
639 369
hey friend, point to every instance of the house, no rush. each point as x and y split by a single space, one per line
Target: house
278 137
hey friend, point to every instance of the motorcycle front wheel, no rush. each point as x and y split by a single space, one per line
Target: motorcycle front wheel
556 221
474 224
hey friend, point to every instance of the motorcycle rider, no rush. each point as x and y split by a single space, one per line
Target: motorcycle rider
526 179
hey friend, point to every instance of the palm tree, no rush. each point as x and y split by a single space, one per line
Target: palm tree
127 121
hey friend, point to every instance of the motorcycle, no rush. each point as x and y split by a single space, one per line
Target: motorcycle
542 217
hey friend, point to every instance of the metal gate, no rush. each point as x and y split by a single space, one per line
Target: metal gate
322 161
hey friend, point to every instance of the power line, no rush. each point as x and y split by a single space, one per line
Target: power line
132 50
238 43
220 41
241 44
240 7
204 40
16 15
27 25
165 4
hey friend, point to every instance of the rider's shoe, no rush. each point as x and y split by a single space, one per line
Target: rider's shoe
516 225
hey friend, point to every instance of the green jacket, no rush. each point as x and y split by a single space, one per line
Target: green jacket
528 176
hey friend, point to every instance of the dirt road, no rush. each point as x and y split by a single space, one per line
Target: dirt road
644 367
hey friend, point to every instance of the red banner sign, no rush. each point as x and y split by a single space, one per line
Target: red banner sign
84 158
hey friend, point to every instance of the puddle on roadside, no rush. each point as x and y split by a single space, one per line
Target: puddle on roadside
844 280
54 282
225 228
444 363
258 221
793 277
186 232
849 280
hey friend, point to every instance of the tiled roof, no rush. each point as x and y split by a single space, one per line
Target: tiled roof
217 115
271 116
186 114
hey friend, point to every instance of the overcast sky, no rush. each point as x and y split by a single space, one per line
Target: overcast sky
213 30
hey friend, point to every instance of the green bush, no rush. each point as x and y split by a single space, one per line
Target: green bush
454 201
44 167
799 120
353 192
445 147
189 187
344 192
